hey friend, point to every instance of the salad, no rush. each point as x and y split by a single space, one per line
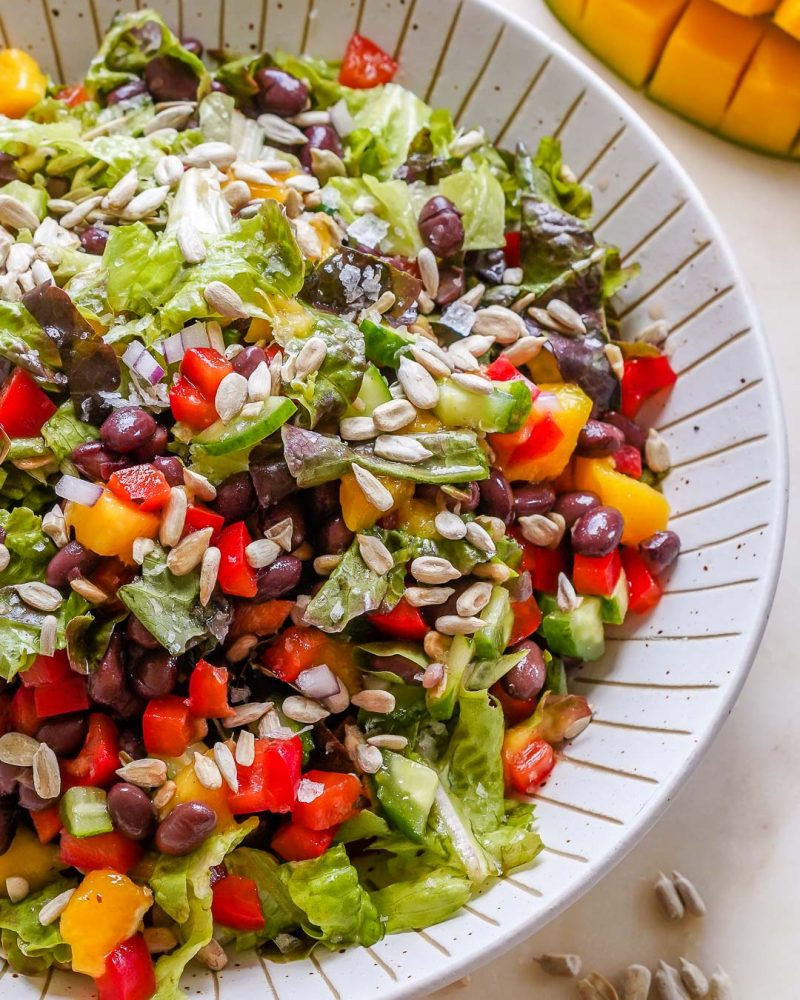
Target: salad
321 470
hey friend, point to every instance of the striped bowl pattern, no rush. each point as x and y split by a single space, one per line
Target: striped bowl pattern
669 679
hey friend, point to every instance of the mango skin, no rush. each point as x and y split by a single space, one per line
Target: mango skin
644 510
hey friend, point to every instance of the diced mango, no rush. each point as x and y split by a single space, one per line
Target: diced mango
644 510
425 422
358 512
417 517
111 526
569 12
630 35
750 8
704 60
27 858
22 83
765 110
787 16
189 789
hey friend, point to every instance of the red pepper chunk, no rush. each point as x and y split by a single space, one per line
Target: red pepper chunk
235 903
98 761
48 670
24 407
144 485
190 406
501 370
336 803
403 622
270 783
628 461
208 691
294 651
544 565
129 973
22 712
293 842
527 618
236 576
512 248
526 769
62 697
643 378
205 367
47 824
596 575
644 589
73 95
104 850
199 517
365 64
544 435
167 726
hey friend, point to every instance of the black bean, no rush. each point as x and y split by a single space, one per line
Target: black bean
573 505
452 285
8 824
73 556
634 433
65 735
8 170
96 461
598 532
280 93
193 45
9 779
126 91
131 811
185 828
140 635
169 79
334 536
278 578
156 446
171 467
322 500
154 675
29 798
127 429
526 679
319 137
94 239
430 612
132 743
273 482
236 497
533 498
440 226
488 265
406 669
497 498
246 361
108 684
598 440
660 551
279 512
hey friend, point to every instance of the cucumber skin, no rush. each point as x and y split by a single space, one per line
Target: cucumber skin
253 430
502 412
406 813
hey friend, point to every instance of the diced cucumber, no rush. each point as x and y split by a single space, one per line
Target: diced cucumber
382 345
615 607
372 393
442 703
245 430
556 677
84 812
504 410
406 790
577 633
491 640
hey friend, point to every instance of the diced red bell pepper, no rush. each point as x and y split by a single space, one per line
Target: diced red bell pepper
294 651
144 485
236 576
526 769
104 850
336 803
544 565
270 783
596 575
644 589
24 407
208 691
365 64
190 406
73 95
129 973
643 378
527 618
199 517
404 622
48 670
62 697
22 712
167 726
544 435
47 823
235 903
514 709
205 367
501 370
293 842
512 248
98 761
628 461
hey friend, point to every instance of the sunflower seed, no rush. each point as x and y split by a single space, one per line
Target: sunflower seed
190 242
564 314
433 569
304 710
26 283
480 538
206 771
224 300
429 271
669 898
377 701
721 986
163 797
198 486
262 552
326 164
542 529
246 715
251 174
459 625
5 557
430 362
175 116
422 597
237 194
656 452
542 316
17 888
47 637
259 384
39 595
398 448
188 553
174 517
418 384
303 183
310 358
17 749
375 554
147 772
656 333
636 981
143 204
41 273
474 599
212 956
503 324
560 964
46 774
245 748
373 489
388 741
281 533
142 547
231 396
694 979
159 940
122 192
20 257
449 525
325 565
476 344
566 597
357 428
52 910
279 131
207 154
369 758
596 987
525 350
615 359
667 984
55 526
16 215
687 890
168 170
433 675
50 234
467 142
394 415
473 383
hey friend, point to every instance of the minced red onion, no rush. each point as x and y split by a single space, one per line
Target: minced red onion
178 344
142 363
78 490
318 682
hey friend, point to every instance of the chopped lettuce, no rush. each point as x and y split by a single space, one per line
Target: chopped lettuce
32 948
422 901
384 127
29 547
280 912
64 431
321 77
477 194
24 343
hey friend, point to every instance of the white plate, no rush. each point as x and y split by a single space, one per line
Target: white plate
669 679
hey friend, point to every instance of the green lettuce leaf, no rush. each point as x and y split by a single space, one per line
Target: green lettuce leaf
64 431
384 127
321 77
21 628
477 194
25 344
420 902
30 548
280 912
569 194
31 947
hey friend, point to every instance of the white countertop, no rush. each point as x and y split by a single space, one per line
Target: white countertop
735 827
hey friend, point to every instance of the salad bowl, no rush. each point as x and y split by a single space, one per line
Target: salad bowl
670 678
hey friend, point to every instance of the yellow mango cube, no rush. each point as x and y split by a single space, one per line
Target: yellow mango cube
787 16
189 789
750 8
111 526
569 12
644 510
358 512
27 858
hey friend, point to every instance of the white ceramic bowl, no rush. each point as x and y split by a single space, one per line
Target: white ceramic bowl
670 678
